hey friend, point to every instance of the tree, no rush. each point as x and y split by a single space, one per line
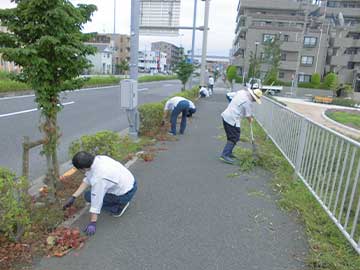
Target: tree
123 67
272 56
316 79
184 71
254 68
231 74
45 39
330 79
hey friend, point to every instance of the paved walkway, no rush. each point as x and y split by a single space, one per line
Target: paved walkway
315 111
187 214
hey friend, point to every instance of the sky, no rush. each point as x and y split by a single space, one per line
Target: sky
221 23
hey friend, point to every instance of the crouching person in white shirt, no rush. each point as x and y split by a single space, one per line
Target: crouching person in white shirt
203 92
240 106
112 186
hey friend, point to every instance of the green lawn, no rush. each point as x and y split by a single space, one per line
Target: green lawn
346 118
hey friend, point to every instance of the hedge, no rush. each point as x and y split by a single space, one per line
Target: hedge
149 78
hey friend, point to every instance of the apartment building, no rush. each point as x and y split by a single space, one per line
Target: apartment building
173 53
120 44
152 61
344 44
260 20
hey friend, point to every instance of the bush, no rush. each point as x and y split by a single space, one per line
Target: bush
149 78
344 102
107 143
330 79
282 83
101 80
306 85
316 79
14 205
151 115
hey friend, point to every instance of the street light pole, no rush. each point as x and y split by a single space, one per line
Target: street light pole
255 63
204 45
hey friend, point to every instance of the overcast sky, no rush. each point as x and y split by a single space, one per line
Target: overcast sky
221 23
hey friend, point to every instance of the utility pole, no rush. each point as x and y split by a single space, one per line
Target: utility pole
296 77
204 45
193 39
134 54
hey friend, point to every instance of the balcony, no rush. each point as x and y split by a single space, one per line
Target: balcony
342 60
290 46
347 12
288 65
346 42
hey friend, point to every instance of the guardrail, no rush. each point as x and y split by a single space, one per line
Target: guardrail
327 162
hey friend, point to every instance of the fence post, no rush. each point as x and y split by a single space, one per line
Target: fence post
301 147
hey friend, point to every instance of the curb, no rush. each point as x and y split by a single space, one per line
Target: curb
339 124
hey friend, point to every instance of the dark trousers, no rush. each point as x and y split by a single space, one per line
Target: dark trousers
182 107
232 136
112 202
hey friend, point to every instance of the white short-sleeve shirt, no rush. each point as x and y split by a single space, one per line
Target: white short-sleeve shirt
239 107
172 102
107 175
204 91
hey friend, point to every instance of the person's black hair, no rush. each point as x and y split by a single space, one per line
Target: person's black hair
83 160
191 112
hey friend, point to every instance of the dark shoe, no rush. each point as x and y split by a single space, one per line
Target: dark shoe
120 211
227 160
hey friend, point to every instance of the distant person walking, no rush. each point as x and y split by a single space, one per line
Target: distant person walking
211 84
240 106
175 106
112 186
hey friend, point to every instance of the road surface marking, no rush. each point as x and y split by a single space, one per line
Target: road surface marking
143 89
31 110
15 97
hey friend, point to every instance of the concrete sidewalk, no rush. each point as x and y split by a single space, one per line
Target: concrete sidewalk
187 214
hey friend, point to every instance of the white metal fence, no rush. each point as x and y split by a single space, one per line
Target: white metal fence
327 162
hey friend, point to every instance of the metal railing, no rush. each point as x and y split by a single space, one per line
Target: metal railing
327 162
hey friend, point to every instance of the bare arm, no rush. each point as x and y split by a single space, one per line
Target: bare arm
80 189
93 217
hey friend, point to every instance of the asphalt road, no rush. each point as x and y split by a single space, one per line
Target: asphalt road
85 112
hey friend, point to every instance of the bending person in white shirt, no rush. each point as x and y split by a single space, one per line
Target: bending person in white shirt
112 186
203 92
240 106
177 105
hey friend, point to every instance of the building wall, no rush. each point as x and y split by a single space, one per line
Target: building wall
337 48
173 52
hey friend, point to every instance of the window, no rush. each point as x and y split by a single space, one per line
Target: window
351 65
281 75
283 56
307 60
286 37
304 78
268 37
310 42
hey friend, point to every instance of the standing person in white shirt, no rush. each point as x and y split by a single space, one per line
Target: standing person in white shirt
239 107
112 186
177 105
211 84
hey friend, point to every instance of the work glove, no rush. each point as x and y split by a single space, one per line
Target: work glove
69 202
90 229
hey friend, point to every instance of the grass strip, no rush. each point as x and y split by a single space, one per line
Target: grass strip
346 118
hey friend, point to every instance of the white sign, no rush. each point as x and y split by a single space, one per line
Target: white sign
159 17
